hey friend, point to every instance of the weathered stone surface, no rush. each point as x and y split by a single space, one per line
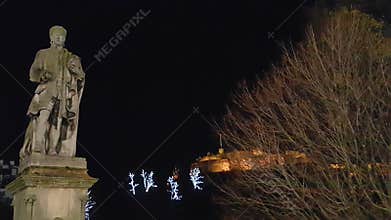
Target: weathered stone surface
37 159
49 192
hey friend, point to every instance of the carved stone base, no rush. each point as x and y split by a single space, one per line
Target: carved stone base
50 188
39 160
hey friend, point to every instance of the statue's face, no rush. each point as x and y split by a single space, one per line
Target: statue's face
58 39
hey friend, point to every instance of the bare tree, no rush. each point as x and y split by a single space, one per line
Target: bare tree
330 98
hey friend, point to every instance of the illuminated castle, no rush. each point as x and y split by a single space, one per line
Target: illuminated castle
255 160
246 160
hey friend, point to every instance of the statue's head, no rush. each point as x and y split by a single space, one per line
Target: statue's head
57 35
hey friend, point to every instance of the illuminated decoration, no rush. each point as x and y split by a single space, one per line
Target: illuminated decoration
148 180
196 178
132 184
89 205
174 189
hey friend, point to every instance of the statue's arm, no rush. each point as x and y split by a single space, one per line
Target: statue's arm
36 68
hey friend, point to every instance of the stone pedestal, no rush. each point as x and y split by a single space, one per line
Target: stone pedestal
50 188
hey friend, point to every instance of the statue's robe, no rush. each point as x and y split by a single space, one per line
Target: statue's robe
60 95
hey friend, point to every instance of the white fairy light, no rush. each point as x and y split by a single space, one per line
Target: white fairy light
148 180
89 205
196 178
132 184
174 189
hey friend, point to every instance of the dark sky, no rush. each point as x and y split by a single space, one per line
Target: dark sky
183 54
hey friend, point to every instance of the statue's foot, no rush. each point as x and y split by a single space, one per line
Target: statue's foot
37 151
52 153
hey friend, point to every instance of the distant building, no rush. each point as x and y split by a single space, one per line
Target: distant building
257 160
8 172
247 160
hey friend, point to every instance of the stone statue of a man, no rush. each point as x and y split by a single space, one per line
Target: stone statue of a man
54 109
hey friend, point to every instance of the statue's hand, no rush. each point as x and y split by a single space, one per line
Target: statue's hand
46 76
72 65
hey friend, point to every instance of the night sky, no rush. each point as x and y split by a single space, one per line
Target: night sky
184 54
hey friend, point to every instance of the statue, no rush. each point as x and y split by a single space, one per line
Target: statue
54 108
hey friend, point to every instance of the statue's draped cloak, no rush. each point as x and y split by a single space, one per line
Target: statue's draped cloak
63 81
60 94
